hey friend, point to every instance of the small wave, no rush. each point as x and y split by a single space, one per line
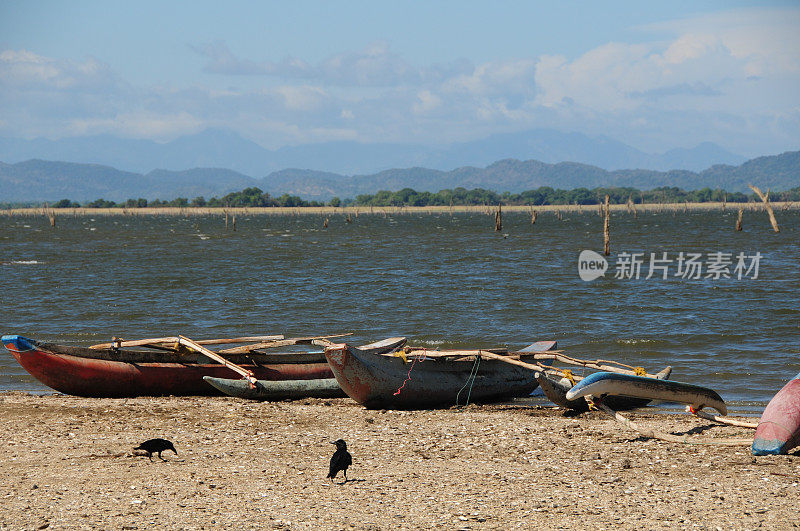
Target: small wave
636 341
25 262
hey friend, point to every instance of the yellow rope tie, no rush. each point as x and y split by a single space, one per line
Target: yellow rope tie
182 349
401 353
639 371
568 375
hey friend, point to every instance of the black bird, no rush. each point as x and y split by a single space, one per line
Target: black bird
340 460
156 446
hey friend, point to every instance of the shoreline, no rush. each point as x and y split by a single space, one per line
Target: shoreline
366 210
68 462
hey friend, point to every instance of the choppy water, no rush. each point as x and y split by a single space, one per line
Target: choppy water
442 280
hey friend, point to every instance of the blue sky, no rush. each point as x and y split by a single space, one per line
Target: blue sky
654 75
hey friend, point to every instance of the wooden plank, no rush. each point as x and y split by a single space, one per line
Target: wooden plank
282 343
512 358
216 357
171 340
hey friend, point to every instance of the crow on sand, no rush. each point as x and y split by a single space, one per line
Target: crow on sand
152 446
340 461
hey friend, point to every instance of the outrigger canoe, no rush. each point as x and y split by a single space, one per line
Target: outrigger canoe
278 389
119 372
417 380
778 430
602 384
556 391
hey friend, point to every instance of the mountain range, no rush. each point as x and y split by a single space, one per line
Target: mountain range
220 148
41 180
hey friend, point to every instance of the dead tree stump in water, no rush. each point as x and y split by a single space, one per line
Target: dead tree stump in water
51 215
498 218
325 224
739 220
767 206
606 229
533 217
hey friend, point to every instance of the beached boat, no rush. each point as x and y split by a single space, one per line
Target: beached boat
420 379
602 384
278 389
556 389
778 430
116 371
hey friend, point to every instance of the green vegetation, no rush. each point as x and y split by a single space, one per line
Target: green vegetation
254 197
550 196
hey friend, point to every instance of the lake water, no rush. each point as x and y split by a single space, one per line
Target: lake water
442 280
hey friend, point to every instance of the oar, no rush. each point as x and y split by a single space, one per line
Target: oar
216 357
164 341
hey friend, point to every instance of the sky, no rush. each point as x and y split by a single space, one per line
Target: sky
655 75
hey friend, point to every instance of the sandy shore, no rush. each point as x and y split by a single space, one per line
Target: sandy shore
67 463
358 210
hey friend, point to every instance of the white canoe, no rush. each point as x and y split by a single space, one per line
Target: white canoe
601 384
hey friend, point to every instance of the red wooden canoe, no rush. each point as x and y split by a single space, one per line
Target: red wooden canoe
779 428
127 373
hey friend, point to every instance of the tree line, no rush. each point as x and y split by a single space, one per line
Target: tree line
544 195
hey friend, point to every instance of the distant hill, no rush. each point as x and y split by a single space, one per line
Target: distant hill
220 148
778 172
41 180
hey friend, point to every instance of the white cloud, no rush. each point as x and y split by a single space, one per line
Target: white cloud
374 66
302 98
427 102
137 125
23 69
732 78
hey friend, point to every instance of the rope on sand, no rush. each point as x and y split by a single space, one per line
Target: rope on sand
654 434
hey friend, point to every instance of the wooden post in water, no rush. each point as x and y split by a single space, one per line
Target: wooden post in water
606 229
234 223
226 220
325 224
632 207
348 219
739 219
724 201
767 206
498 218
533 217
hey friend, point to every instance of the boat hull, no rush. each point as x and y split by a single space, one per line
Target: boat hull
278 389
601 384
779 428
91 377
113 373
387 382
556 391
